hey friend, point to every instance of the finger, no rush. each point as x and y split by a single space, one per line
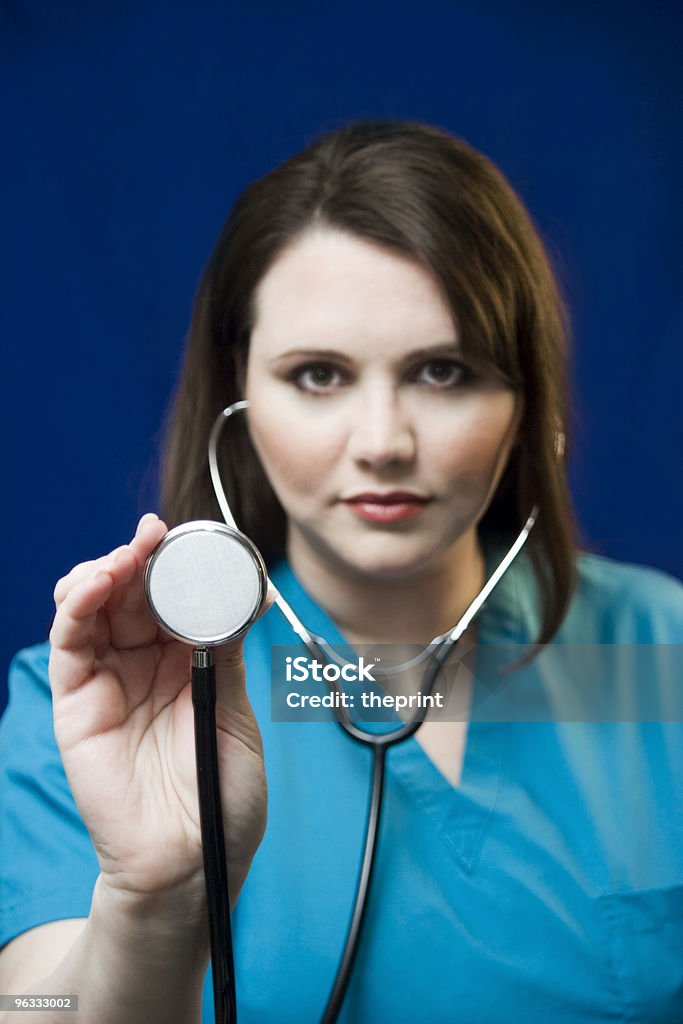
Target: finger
73 623
82 571
82 616
140 545
149 533
74 631
272 595
131 622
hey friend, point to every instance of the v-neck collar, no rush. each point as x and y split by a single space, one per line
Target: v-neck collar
461 814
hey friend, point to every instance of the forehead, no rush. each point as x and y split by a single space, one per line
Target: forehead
332 289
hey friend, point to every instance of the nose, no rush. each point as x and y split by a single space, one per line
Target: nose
382 431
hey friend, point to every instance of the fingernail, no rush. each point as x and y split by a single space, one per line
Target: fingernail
147 518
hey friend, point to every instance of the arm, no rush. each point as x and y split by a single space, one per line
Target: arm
123 722
131 960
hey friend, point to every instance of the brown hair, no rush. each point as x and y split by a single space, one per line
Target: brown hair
422 192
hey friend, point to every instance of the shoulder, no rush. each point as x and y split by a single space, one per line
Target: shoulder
28 714
28 671
32 659
624 602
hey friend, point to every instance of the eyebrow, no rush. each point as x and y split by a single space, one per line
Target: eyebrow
443 348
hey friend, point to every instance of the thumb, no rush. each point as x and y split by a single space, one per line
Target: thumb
231 694
230 655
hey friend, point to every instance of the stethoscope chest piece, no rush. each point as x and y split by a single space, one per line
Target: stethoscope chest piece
205 583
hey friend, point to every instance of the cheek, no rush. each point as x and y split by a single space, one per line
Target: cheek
296 457
474 453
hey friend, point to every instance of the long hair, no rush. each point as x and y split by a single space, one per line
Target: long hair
419 191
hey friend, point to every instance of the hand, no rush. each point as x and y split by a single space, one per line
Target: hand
125 727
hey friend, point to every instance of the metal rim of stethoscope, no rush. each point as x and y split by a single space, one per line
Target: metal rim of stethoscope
437 650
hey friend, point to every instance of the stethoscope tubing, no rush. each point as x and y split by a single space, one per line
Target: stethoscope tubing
314 643
346 962
437 651
380 744
213 836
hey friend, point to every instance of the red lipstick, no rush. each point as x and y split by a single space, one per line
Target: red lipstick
392 507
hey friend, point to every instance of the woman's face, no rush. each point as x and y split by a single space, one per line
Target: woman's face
382 447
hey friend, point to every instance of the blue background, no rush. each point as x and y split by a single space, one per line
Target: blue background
128 129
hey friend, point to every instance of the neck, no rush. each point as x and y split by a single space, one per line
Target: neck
412 609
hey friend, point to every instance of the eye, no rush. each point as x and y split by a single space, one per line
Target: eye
316 377
443 373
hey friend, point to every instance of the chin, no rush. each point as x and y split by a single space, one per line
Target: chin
378 556
385 563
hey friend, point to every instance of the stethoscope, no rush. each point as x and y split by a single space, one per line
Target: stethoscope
206 583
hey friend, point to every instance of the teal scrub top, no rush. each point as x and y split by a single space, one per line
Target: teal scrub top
547 886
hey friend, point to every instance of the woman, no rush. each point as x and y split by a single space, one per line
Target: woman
385 305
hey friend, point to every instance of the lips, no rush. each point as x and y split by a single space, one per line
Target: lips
391 498
389 507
